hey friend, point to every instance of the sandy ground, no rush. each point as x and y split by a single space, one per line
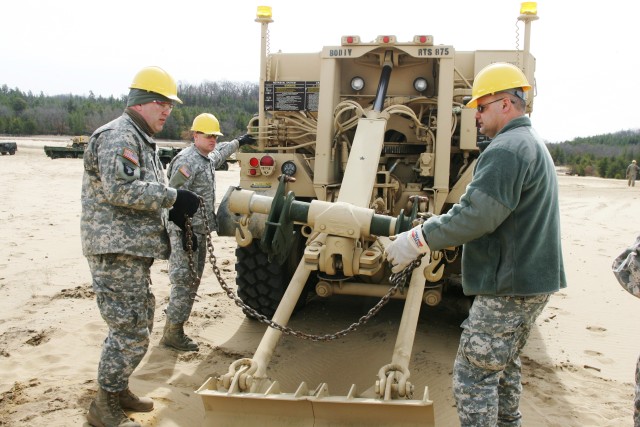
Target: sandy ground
578 365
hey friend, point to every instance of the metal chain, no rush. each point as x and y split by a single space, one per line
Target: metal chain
192 265
455 255
398 280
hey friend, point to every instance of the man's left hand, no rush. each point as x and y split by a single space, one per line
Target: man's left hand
246 139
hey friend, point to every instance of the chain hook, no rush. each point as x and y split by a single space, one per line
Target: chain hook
243 235
435 270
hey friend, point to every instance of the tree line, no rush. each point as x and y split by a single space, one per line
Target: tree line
606 156
27 114
234 104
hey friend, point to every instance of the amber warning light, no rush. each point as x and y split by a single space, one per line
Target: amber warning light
264 12
529 8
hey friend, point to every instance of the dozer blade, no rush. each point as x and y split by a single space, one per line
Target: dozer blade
316 409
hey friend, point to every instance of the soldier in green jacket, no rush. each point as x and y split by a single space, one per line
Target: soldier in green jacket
123 229
508 222
193 169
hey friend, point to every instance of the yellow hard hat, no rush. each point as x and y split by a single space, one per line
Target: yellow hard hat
497 77
207 124
155 79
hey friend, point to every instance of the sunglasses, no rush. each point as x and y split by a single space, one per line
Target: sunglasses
483 107
207 135
164 104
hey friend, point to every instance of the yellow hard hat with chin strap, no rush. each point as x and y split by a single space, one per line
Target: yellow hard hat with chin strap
497 77
155 79
207 124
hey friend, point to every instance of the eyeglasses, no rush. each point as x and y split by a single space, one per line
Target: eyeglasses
207 135
164 105
483 107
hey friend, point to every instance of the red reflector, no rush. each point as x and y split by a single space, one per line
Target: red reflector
386 39
254 162
423 39
266 161
253 172
349 39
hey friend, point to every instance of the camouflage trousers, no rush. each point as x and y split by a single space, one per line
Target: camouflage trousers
183 287
123 293
486 372
636 402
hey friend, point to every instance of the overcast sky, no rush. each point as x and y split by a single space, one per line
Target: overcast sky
587 53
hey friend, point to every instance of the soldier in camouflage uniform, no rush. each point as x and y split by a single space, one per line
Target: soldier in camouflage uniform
193 169
632 173
626 268
508 221
123 229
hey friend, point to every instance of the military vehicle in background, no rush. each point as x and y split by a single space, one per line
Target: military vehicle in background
166 154
73 150
357 142
76 148
8 147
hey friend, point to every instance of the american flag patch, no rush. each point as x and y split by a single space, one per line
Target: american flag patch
128 154
184 170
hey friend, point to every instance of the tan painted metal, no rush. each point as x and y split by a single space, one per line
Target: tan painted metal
358 153
245 396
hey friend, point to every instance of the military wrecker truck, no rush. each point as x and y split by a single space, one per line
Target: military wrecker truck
356 143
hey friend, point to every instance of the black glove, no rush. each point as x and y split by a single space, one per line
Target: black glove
187 203
194 241
245 139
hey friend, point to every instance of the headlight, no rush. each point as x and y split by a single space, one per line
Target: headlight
357 83
420 84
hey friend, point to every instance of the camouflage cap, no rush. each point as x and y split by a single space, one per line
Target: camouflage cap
140 96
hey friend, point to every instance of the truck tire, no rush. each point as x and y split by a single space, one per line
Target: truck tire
262 283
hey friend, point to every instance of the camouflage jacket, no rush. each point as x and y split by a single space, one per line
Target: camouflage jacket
626 268
124 193
192 171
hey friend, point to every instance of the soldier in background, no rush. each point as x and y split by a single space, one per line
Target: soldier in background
194 169
509 223
123 229
632 173
626 268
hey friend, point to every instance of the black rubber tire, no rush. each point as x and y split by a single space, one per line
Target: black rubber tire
261 283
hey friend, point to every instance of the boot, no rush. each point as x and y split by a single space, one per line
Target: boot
173 336
105 411
130 401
